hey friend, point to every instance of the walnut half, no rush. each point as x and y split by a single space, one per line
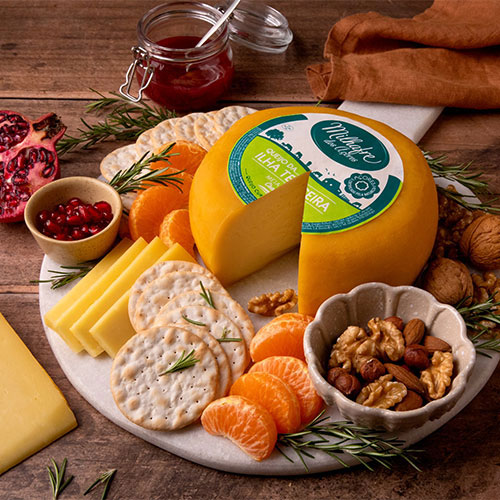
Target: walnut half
273 304
437 377
382 393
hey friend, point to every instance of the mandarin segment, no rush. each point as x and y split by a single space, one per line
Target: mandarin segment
245 423
175 228
282 336
185 156
274 395
293 371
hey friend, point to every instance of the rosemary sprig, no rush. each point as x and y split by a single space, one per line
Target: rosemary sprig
224 337
125 121
140 176
62 278
207 296
185 361
192 321
361 443
57 480
105 478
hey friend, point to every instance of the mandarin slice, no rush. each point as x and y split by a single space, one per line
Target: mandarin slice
175 228
185 155
282 336
274 395
293 371
153 204
245 423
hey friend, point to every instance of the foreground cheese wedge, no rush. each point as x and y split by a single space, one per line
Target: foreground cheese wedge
52 317
114 328
33 412
358 195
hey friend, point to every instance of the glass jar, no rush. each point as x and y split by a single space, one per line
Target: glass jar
175 73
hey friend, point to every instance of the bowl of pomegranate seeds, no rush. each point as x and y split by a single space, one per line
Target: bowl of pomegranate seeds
74 219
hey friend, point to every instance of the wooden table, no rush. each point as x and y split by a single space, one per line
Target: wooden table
51 54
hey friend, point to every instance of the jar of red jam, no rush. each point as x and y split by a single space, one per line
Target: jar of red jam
175 73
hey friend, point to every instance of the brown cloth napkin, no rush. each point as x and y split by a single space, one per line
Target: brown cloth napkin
447 56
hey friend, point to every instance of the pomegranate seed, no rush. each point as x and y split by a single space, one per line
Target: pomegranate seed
60 236
60 219
84 212
94 229
61 208
85 229
53 227
102 206
76 234
96 214
43 216
74 202
74 220
107 216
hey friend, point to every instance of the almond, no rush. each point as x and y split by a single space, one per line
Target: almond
406 377
414 331
434 344
396 321
411 401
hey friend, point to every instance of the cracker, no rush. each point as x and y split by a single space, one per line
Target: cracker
163 402
157 271
161 290
206 130
117 160
228 116
219 325
217 351
163 132
223 303
184 127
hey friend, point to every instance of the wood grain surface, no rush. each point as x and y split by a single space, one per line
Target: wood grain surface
52 53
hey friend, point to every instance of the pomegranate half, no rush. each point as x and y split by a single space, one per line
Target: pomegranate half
28 159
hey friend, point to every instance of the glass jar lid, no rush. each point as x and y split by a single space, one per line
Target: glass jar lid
258 27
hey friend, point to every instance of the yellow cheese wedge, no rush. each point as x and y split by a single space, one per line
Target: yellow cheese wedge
52 317
113 329
240 222
33 412
117 286
87 298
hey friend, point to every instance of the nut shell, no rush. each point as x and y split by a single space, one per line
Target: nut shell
480 242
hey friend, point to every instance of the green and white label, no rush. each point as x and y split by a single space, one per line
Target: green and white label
355 172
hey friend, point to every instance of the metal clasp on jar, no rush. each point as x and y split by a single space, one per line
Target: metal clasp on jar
141 57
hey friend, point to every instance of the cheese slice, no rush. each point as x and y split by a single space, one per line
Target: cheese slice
93 291
117 285
33 412
367 213
113 328
52 317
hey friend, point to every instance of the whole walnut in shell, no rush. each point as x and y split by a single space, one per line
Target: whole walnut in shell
448 280
480 242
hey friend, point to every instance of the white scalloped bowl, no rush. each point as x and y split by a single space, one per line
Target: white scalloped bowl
379 300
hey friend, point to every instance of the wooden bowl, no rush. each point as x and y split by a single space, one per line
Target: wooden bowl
89 190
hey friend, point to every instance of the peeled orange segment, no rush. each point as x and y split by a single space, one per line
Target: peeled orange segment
293 371
282 336
185 155
274 395
175 228
153 204
247 424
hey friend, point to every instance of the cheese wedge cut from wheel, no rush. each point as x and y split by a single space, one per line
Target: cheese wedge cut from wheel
33 412
358 196
52 317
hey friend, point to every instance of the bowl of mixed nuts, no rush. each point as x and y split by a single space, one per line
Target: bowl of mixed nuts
389 357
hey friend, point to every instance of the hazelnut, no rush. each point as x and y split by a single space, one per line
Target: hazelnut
346 383
411 401
372 369
449 281
480 242
396 321
417 356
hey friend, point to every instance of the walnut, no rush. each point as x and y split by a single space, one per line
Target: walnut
480 242
388 338
437 377
449 281
382 393
273 304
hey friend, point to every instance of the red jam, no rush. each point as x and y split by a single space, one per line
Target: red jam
185 85
74 220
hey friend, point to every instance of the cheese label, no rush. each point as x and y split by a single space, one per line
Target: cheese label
355 172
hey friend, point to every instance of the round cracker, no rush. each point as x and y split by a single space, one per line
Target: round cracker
206 131
157 271
119 159
228 116
161 290
218 325
163 402
163 132
223 303
144 143
217 351
184 127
